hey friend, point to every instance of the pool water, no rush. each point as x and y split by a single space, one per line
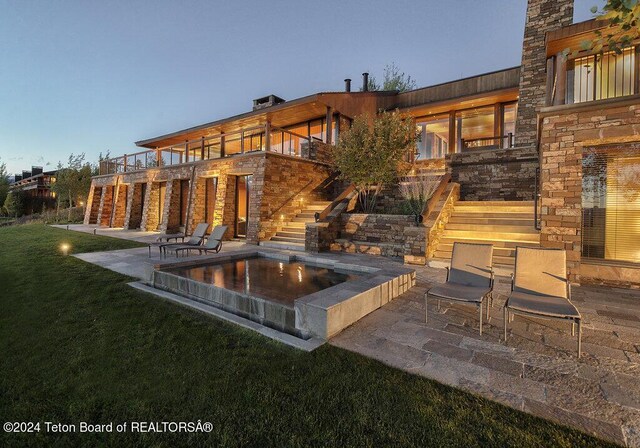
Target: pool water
267 278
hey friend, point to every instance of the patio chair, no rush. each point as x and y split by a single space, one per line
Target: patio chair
213 244
539 287
196 238
469 279
166 237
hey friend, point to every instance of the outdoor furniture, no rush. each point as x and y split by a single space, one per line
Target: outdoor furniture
539 287
213 244
196 238
166 237
469 279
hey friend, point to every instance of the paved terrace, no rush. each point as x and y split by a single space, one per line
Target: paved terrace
536 371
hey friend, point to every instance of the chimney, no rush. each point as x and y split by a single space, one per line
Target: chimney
26 174
35 170
365 82
266 101
17 177
347 85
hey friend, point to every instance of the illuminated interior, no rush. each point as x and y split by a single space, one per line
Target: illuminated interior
433 137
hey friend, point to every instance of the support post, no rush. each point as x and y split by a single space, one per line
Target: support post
329 123
267 136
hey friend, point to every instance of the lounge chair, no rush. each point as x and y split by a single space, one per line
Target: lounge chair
213 244
196 238
539 287
166 237
469 279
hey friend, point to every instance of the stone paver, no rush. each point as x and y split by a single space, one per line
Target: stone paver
536 370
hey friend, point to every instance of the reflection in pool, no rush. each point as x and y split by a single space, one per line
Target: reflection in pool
266 278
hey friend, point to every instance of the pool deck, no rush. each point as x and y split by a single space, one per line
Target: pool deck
536 371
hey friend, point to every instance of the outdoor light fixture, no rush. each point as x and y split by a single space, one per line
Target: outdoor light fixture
64 247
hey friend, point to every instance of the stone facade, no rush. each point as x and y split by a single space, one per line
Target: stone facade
542 16
566 130
495 175
280 186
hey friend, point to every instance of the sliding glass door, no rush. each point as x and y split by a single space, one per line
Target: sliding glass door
243 188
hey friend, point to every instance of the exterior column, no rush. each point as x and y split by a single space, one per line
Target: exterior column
329 121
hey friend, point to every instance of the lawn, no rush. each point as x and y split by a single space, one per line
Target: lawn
77 344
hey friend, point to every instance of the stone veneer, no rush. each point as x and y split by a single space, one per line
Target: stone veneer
566 130
542 16
495 174
281 185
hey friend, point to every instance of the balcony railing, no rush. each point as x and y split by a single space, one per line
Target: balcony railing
218 146
497 142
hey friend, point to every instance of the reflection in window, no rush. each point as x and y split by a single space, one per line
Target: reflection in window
509 124
611 204
433 137
475 128
598 77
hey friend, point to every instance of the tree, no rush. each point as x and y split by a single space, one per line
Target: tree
393 79
14 204
370 154
623 26
73 181
4 183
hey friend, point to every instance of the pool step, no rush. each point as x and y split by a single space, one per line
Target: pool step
283 245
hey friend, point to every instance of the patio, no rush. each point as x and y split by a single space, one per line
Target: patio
536 371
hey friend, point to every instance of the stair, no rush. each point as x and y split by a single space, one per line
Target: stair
505 224
291 235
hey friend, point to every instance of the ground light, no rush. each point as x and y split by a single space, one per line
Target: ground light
64 248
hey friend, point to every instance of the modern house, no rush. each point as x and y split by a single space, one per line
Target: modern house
36 184
547 153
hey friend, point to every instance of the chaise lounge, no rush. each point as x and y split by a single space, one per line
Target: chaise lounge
196 239
469 279
539 287
213 244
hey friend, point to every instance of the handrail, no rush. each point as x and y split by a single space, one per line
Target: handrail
341 197
435 197
536 198
496 140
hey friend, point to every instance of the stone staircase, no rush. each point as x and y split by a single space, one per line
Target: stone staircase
505 224
291 234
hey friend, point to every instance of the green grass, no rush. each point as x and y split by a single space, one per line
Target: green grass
77 344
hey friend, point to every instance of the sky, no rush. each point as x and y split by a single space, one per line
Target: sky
95 76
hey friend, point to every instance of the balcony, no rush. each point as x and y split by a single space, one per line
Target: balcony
244 141
497 142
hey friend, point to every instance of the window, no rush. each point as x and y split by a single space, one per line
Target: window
611 203
601 76
509 112
433 137
475 128
316 129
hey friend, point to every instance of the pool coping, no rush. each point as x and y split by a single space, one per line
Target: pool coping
325 313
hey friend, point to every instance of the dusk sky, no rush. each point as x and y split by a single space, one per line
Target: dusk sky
92 76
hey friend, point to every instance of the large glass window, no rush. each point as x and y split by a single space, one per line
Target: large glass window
433 137
475 128
509 112
601 76
316 129
611 203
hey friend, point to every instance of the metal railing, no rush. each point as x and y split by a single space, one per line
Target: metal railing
218 146
496 142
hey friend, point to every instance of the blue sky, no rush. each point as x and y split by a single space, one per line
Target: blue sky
91 76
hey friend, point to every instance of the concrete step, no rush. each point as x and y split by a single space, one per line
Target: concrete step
283 245
495 229
489 214
446 241
303 219
533 237
495 203
298 229
316 207
287 239
526 221
493 209
305 214
291 234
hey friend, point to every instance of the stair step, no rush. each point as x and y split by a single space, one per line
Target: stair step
496 242
287 239
303 219
283 245
489 214
493 209
315 208
491 236
524 222
494 203
497 229
289 234
291 228
445 250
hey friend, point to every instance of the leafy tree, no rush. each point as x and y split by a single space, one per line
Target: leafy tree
15 203
623 26
393 79
4 183
370 154
73 181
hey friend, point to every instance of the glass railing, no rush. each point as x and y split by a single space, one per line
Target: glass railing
219 146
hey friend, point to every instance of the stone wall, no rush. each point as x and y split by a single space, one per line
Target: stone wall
281 186
566 130
135 203
542 16
93 205
439 217
495 175
120 209
106 206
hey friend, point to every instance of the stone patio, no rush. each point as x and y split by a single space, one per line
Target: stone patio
536 371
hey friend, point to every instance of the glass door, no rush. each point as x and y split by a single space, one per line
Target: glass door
243 187
162 192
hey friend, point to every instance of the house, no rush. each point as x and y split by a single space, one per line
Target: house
36 185
547 153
